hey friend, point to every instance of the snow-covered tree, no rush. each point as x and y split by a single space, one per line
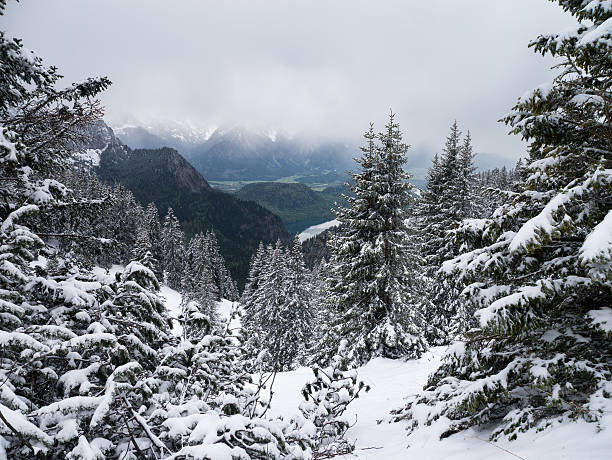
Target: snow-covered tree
37 124
448 199
326 398
279 314
371 303
173 244
142 251
226 287
152 226
540 267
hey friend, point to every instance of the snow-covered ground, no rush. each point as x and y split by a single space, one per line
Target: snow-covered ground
316 229
172 300
391 381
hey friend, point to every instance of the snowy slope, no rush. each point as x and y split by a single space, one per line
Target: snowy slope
390 382
172 300
316 229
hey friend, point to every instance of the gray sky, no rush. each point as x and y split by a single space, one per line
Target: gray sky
321 68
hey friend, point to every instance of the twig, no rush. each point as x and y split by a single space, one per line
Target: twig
19 435
499 447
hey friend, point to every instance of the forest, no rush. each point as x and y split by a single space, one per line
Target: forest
507 273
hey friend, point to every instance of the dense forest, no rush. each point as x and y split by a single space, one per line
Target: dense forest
510 269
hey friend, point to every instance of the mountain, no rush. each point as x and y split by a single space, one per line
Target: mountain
182 136
164 177
239 154
297 204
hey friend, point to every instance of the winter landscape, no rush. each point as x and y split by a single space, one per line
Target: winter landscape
245 278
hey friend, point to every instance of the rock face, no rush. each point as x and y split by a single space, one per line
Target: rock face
164 177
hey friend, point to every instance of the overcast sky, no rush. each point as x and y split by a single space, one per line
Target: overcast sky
313 67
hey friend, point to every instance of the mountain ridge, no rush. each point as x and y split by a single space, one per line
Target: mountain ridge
166 178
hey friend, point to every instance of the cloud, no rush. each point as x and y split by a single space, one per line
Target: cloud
316 68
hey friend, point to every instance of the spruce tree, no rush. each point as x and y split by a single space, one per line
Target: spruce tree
152 226
226 286
370 298
443 205
173 243
142 251
539 267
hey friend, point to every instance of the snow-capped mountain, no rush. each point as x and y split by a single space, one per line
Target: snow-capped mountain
239 153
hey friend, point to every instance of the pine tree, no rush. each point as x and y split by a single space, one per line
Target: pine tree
152 226
174 249
371 303
227 288
444 204
142 251
539 268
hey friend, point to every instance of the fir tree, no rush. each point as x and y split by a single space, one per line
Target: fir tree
539 268
152 226
174 249
371 303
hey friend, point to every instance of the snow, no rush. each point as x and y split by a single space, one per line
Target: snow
596 251
392 380
602 318
172 300
314 230
603 30
89 157
9 147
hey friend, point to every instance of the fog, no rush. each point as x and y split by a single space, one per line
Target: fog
318 69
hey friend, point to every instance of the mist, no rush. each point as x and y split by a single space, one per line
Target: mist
319 70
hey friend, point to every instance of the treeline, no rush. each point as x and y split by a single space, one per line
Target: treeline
511 267
126 232
89 365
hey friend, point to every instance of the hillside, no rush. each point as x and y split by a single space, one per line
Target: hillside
164 177
298 205
240 154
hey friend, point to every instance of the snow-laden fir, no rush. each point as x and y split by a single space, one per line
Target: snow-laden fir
472 320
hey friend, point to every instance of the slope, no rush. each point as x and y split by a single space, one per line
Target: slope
298 205
164 177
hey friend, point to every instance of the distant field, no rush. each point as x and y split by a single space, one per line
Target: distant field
232 186
312 181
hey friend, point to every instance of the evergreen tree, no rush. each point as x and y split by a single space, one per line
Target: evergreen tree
539 267
371 303
255 269
467 181
226 286
152 226
274 321
142 251
447 201
174 250
198 287
299 311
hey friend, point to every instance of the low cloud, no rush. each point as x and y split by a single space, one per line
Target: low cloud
312 68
